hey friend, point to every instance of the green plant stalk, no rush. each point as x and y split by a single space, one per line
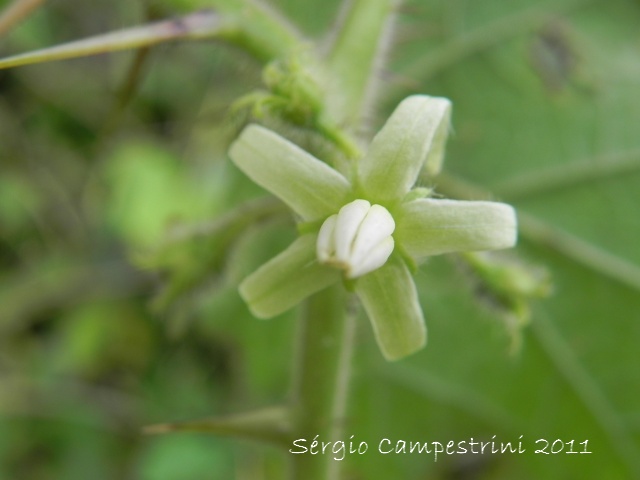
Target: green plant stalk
198 25
253 28
325 343
259 30
356 53
269 425
322 369
16 12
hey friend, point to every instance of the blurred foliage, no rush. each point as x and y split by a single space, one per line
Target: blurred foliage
117 311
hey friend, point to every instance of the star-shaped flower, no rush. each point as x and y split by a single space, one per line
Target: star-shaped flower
367 226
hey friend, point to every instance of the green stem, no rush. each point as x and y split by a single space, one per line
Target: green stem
269 425
252 27
559 177
326 337
341 140
321 381
357 51
259 30
198 25
16 12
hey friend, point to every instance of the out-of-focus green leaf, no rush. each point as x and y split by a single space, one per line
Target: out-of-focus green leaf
149 189
99 337
18 203
198 457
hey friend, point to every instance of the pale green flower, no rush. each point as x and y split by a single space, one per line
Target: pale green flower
370 225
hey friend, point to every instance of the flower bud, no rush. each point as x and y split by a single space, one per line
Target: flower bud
358 239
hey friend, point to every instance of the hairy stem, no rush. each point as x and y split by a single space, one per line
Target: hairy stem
253 28
357 51
204 24
321 381
16 12
260 30
326 338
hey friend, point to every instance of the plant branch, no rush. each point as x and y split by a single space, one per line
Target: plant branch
357 52
567 175
256 29
16 12
576 249
126 92
322 370
198 25
270 425
260 30
326 338
247 213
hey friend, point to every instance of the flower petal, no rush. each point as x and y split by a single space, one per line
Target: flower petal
326 245
375 228
310 187
431 227
347 224
390 299
287 279
375 258
414 134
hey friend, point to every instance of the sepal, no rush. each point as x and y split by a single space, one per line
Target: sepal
390 299
287 279
432 227
311 188
412 138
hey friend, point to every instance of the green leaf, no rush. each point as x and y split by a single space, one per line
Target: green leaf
310 187
390 299
414 134
431 227
148 189
199 457
287 279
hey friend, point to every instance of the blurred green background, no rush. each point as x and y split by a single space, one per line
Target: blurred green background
103 331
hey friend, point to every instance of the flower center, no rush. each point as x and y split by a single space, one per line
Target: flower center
358 239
